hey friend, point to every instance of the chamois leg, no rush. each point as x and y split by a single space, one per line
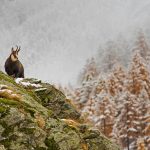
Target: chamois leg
13 75
19 75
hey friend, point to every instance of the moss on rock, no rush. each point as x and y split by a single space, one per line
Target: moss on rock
42 119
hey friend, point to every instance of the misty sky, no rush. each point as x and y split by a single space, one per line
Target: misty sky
57 36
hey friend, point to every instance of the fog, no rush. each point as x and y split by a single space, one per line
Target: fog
57 36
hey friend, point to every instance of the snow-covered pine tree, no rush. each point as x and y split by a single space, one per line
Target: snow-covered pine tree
126 129
115 82
142 47
88 111
98 86
108 58
99 109
139 84
89 106
90 71
133 105
82 94
147 130
143 110
87 81
138 76
104 114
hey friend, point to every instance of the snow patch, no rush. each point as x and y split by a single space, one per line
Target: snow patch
132 130
18 80
26 84
31 84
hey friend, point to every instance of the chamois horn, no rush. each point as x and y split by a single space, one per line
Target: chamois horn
18 48
12 49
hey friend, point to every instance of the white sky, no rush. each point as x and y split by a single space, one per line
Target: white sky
57 36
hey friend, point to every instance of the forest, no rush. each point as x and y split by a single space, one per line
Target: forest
113 94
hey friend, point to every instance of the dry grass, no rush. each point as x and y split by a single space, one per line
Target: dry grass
40 121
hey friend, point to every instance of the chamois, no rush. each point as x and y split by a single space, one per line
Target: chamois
13 66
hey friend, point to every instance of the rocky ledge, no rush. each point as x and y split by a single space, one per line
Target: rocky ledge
36 116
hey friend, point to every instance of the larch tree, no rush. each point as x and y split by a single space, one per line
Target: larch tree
83 94
104 114
133 105
87 81
89 109
143 110
89 105
126 128
90 71
138 76
142 47
109 57
115 82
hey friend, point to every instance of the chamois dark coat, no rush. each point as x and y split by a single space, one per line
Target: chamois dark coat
14 67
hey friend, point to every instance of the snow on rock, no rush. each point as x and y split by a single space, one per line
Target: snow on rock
27 83
31 84
18 80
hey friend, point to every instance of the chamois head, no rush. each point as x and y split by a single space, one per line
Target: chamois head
14 53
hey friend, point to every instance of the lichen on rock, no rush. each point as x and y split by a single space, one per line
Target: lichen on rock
41 118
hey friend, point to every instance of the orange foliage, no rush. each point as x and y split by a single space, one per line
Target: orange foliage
141 144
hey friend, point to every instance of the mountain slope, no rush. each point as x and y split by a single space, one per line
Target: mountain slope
35 115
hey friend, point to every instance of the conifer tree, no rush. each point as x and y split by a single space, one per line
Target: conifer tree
89 72
142 47
115 82
138 76
133 104
105 113
126 128
109 57
82 94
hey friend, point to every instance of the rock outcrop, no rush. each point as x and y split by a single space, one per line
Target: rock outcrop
37 116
